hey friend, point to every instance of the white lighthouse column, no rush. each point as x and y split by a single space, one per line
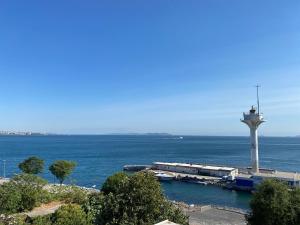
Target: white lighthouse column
254 149
253 120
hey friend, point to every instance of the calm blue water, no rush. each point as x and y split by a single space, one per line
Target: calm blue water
101 156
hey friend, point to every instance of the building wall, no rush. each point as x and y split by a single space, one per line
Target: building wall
177 169
198 171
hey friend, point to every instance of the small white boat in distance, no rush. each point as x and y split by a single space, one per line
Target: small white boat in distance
180 137
164 176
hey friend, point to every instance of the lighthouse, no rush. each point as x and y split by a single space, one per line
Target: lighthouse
253 119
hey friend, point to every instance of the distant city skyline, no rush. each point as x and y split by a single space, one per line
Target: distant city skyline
186 68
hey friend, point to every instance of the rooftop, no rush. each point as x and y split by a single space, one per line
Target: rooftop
198 166
166 222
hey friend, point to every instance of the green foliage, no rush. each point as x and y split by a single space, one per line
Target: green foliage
32 165
12 220
295 201
271 204
94 205
10 198
114 183
42 220
61 169
70 215
22 192
70 194
136 199
31 189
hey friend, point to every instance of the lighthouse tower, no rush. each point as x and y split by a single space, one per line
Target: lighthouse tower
253 119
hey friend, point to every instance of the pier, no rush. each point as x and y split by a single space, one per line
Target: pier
241 179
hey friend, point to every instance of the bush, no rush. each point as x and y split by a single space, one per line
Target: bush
70 194
12 220
136 199
41 220
31 189
10 198
32 165
70 215
22 192
93 206
295 201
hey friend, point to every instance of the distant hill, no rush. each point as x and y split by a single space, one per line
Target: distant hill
148 134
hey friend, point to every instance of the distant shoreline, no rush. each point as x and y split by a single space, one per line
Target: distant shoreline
138 134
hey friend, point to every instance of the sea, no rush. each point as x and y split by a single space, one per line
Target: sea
99 156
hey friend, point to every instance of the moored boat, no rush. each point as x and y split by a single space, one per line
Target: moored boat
164 176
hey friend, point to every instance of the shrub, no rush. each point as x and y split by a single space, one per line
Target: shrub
41 220
10 198
31 189
295 201
70 215
70 194
12 220
22 192
93 206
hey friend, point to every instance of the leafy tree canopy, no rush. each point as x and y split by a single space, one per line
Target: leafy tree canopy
61 169
136 199
32 165
114 184
271 204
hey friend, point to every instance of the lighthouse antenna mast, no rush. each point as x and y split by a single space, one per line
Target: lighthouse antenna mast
257 97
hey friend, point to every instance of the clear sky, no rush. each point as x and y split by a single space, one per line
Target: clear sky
183 67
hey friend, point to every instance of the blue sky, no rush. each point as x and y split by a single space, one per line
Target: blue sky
183 67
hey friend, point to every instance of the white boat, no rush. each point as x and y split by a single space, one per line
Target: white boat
164 176
202 183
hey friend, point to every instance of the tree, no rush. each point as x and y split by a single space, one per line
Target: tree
32 165
136 199
114 183
70 215
61 169
271 204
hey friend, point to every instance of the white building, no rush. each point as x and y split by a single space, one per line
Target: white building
197 169
166 222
